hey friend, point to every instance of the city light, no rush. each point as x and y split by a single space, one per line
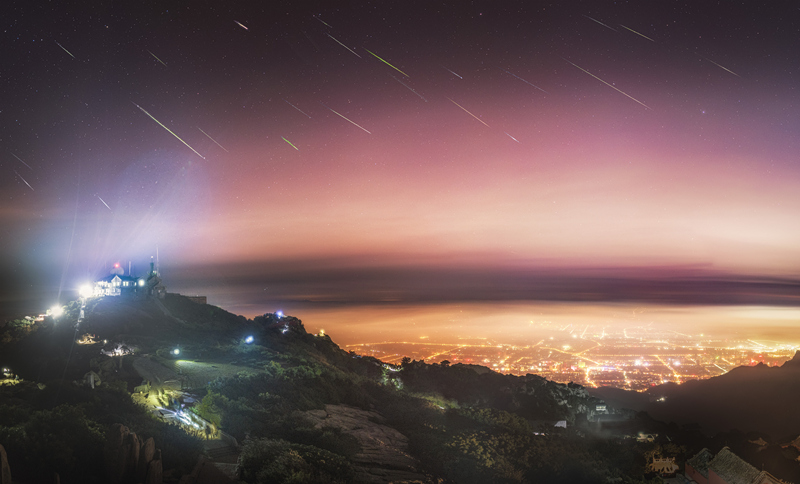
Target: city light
85 290
57 311
176 351
248 340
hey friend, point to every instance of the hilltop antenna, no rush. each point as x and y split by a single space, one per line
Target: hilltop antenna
158 273
129 268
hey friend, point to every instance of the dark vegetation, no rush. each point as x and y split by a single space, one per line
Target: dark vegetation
62 427
463 425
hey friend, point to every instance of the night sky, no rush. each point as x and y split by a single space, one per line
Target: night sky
403 151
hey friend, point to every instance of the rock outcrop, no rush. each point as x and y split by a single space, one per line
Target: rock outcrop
384 456
5 470
127 459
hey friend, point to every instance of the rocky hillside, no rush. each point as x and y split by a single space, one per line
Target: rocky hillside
301 408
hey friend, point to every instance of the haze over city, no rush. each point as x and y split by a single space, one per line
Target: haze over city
312 158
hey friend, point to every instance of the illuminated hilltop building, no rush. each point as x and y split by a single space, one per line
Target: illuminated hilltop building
119 284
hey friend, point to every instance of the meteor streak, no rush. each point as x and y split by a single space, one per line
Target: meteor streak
290 143
292 105
159 60
479 119
393 67
515 139
601 23
346 47
409 88
324 22
168 130
721 67
637 33
212 139
523 80
20 160
104 202
24 180
65 50
451 72
609 85
345 118
241 25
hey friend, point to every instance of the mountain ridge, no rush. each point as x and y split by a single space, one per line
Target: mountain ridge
748 398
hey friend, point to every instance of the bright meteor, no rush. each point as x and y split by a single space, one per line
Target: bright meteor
393 67
601 23
462 107
168 130
637 33
159 60
451 72
609 85
65 50
24 180
345 118
290 143
241 25
324 22
20 160
720 66
346 47
104 202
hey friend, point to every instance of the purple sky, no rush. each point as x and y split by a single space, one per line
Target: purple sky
447 151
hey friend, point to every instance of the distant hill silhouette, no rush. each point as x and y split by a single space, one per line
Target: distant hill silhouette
748 398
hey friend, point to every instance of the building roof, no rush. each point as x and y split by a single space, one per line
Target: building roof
731 468
700 462
111 277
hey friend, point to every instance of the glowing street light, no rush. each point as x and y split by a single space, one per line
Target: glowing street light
57 311
85 290
176 351
248 340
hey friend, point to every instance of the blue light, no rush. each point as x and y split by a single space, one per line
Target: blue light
279 314
248 340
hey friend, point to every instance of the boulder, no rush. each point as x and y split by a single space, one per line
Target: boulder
384 454
146 455
113 452
5 470
127 459
131 448
154 470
